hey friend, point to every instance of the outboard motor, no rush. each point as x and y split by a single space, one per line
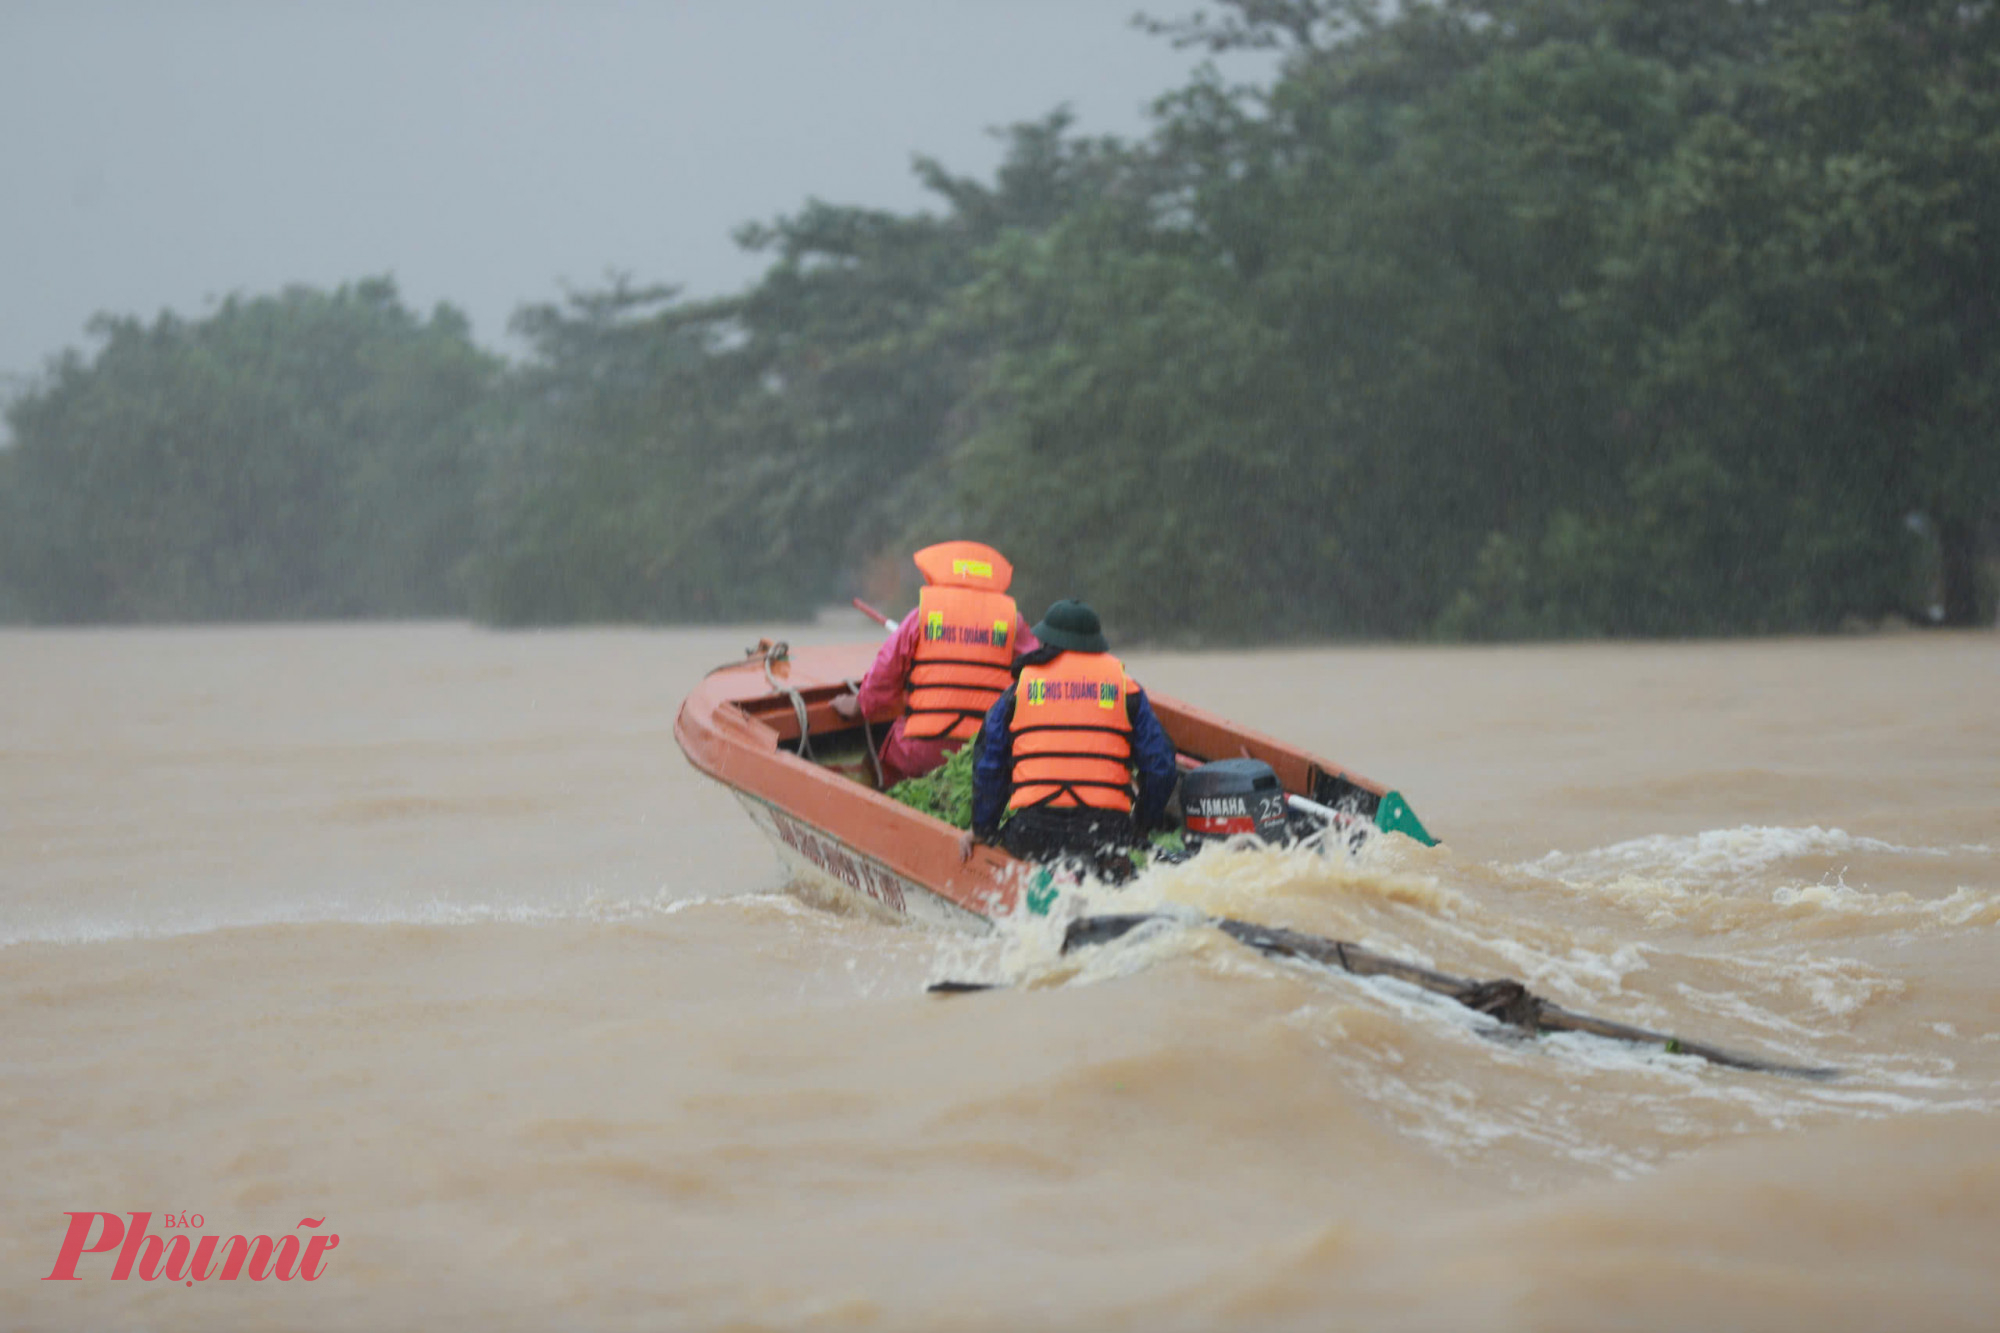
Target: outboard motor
1233 796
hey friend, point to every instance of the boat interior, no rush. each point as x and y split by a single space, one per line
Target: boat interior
836 743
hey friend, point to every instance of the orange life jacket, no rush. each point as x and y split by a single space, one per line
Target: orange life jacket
1072 738
962 662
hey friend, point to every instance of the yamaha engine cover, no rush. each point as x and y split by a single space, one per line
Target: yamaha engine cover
1233 796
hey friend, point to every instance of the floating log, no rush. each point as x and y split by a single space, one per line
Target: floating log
1505 1000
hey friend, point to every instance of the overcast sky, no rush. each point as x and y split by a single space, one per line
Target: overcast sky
162 155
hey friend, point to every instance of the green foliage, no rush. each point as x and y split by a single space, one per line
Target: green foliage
609 497
1160 842
1486 318
306 454
946 791
1518 319
741 457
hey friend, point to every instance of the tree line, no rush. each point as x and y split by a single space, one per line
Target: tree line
1482 318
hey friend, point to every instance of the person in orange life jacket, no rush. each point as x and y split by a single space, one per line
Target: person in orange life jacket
1059 750
948 660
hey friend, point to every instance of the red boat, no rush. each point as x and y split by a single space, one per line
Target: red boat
766 729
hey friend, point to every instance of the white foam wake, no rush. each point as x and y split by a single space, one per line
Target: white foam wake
1739 853
429 912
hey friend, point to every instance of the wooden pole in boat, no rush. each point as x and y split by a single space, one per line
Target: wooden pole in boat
874 615
867 732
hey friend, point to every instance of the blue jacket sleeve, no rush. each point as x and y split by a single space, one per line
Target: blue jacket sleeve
993 766
1153 755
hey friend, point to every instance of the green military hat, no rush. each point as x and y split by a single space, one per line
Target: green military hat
1073 627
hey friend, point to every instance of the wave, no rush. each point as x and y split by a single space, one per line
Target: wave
1726 879
1725 854
432 912
1481 1096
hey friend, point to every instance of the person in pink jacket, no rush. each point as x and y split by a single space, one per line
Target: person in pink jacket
946 662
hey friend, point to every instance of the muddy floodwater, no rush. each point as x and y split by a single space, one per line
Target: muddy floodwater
429 935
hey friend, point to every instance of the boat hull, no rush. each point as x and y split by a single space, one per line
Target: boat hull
844 877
